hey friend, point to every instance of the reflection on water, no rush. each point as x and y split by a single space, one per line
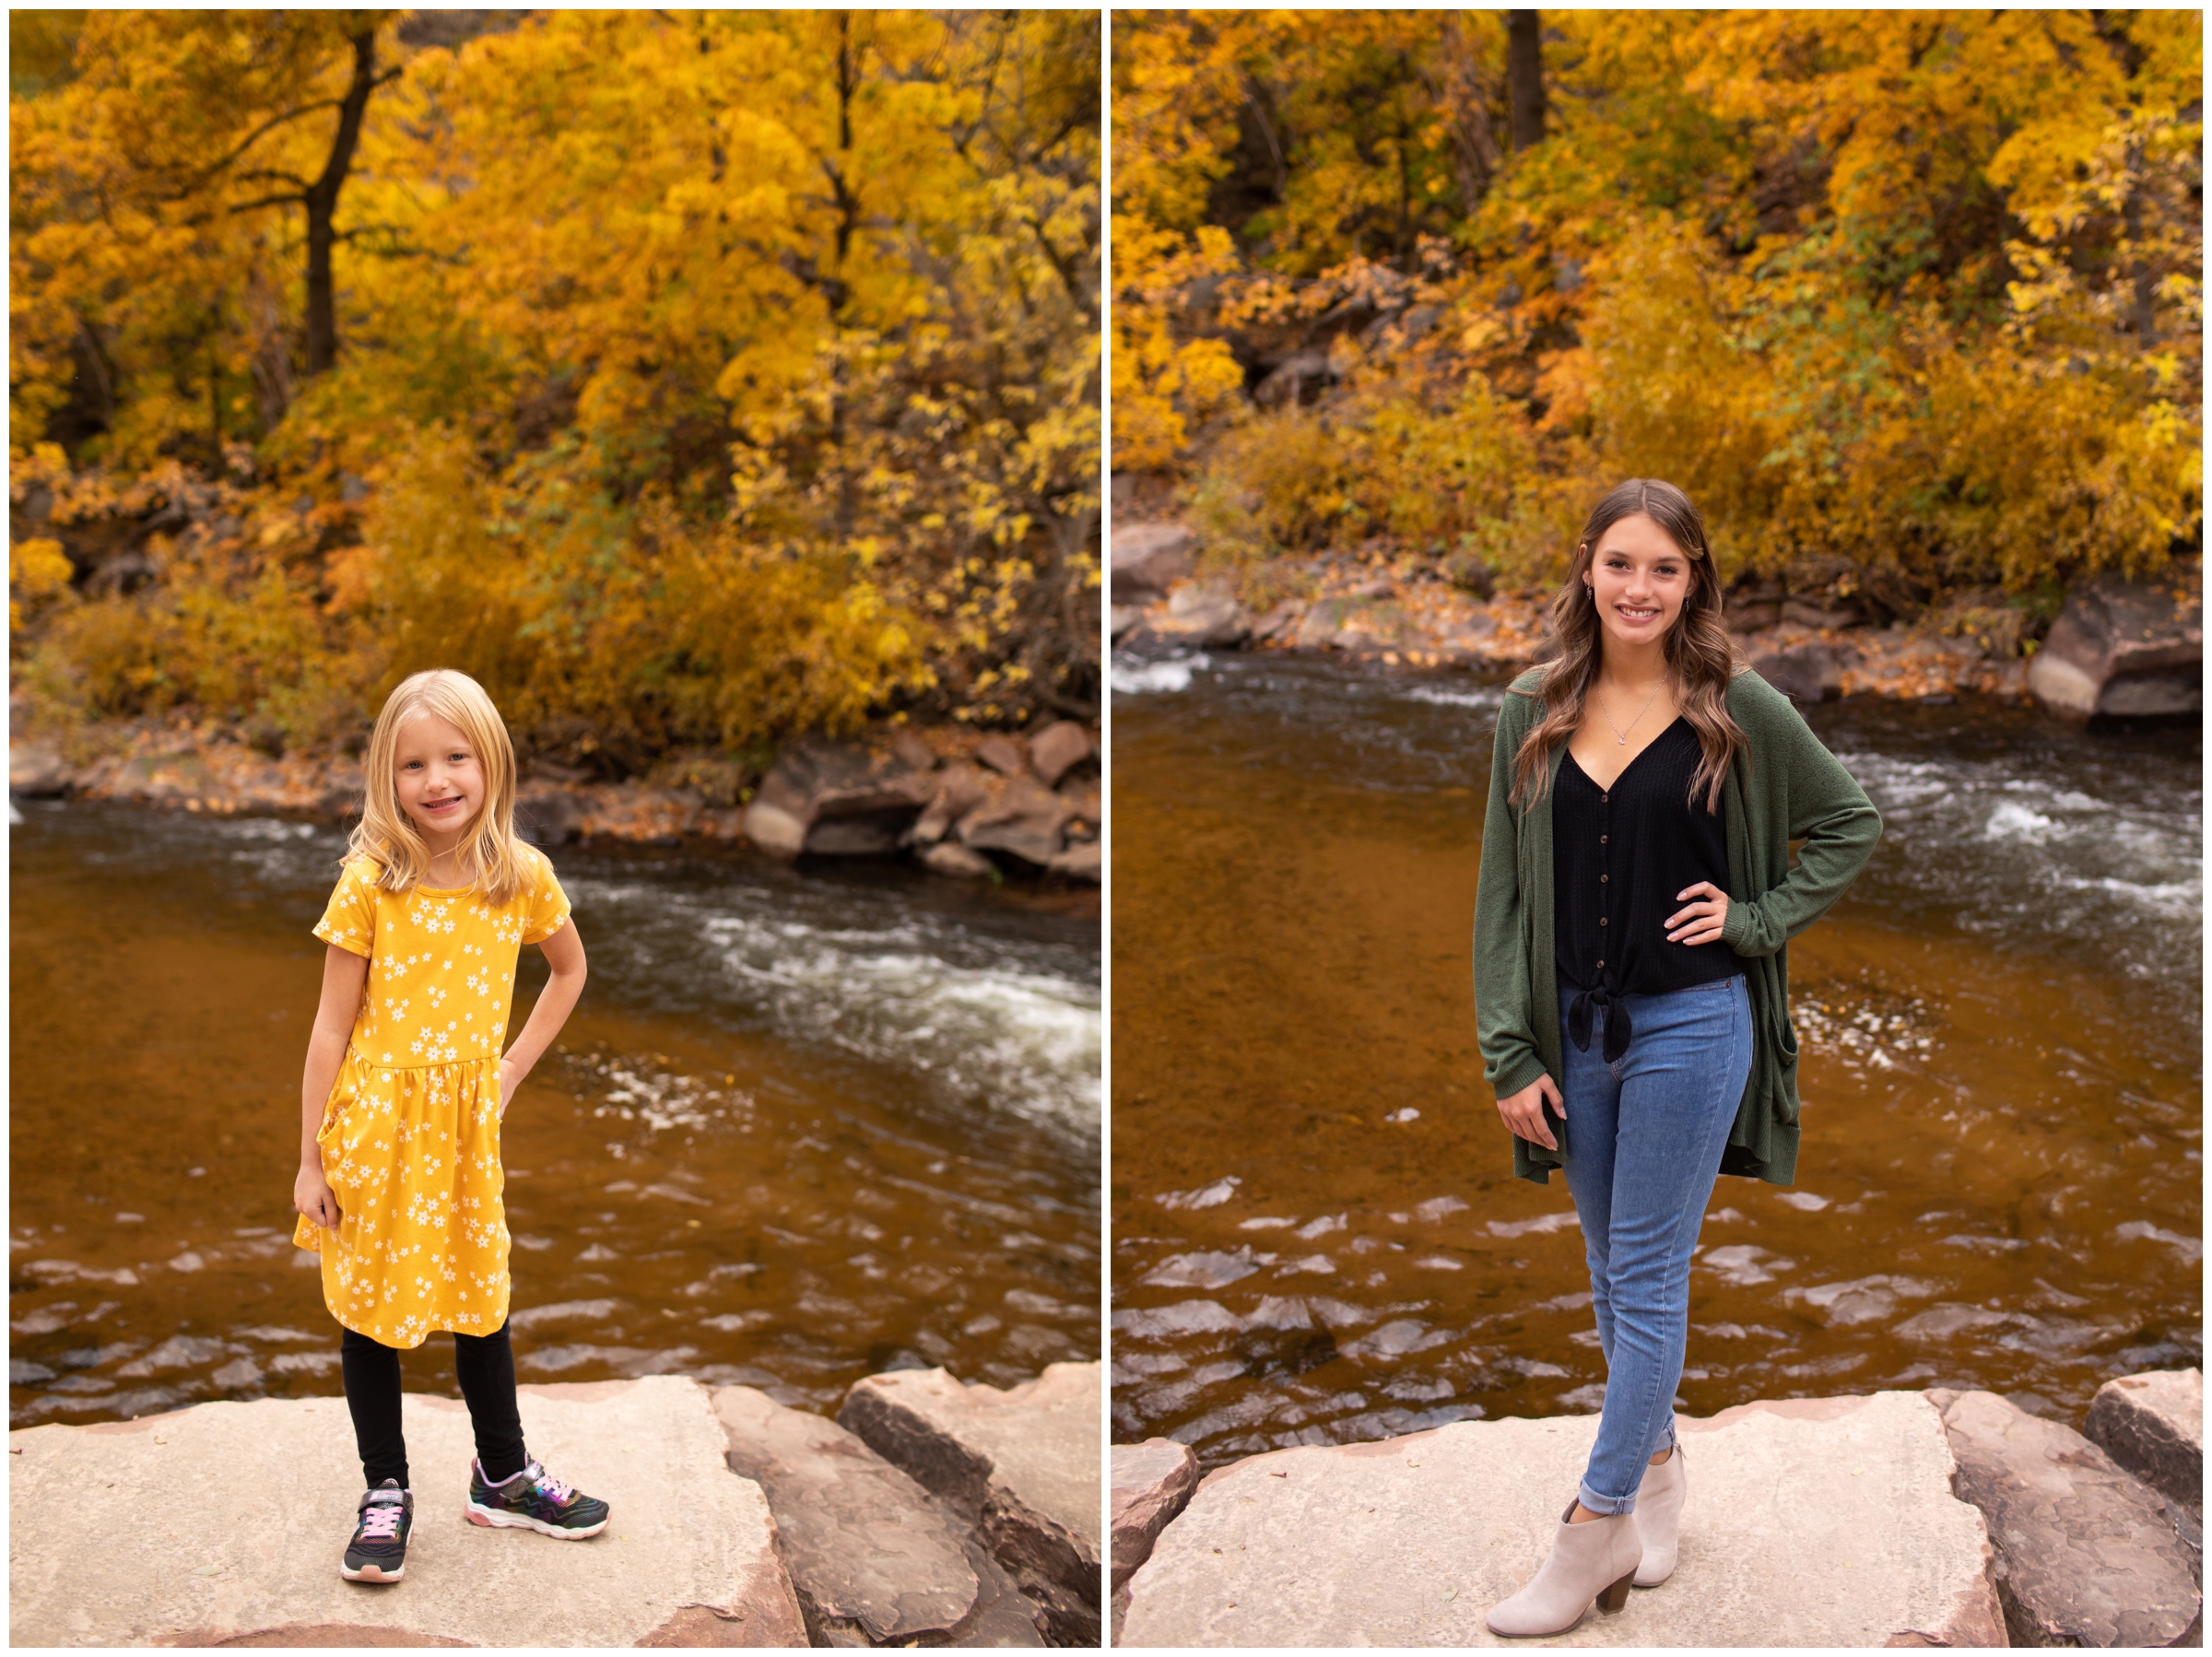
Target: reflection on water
804 1127
1318 1237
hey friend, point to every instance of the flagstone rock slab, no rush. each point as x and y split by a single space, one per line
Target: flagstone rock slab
2153 1424
235 1516
1021 1463
866 1549
2085 1555
1152 1481
1814 1522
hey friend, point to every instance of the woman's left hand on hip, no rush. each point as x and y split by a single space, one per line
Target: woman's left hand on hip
1698 923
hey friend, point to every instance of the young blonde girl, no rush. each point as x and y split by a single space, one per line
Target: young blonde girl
405 1088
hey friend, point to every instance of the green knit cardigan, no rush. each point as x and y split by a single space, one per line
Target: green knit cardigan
1785 786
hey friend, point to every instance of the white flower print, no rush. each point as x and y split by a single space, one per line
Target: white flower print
411 1138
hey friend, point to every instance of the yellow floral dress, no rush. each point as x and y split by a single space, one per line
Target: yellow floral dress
410 1136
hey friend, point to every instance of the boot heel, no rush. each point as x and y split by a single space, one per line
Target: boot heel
1614 1598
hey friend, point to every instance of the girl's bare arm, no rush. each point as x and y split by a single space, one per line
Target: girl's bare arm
344 976
564 954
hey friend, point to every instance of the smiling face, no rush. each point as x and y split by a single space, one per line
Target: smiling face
440 780
1640 579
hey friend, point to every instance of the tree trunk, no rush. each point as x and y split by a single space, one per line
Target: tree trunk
322 204
1525 76
1458 85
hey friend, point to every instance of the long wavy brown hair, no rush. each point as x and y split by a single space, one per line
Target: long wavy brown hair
1699 654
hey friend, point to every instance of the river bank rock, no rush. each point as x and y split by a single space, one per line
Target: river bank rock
2124 650
1021 1464
1409 1541
1147 558
2153 1424
2086 1554
874 1559
223 1524
1803 672
1058 749
1151 1484
36 772
892 794
836 799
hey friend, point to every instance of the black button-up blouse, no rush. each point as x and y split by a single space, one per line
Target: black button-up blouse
1619 855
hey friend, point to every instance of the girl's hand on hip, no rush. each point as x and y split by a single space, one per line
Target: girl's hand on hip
510 1079
1698 923
1523 1111
311 1195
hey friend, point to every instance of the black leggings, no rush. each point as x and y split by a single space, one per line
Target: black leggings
486 1364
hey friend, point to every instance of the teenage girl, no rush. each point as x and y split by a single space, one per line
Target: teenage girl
1636 892
400 1108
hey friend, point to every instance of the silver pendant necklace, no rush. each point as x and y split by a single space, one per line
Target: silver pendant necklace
1621 734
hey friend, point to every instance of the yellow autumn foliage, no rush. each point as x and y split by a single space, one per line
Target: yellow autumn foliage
699 377
1909 302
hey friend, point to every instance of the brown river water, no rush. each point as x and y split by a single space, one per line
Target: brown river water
1318 1237
807 1125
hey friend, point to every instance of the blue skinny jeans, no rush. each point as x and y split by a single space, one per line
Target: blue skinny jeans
1643 1143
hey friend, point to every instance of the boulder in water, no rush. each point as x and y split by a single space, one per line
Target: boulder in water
1205 618
1026 820
838 799
2124 650
548 816
959 790
36 772
1803 672
949 857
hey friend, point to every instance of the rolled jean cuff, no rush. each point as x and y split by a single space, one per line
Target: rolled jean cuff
1605 1504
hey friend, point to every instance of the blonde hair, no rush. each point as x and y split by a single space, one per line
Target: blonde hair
387 837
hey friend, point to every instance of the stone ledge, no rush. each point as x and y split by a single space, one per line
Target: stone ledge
1409 1541
238 1513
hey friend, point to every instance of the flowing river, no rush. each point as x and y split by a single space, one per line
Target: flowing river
1318 1237
807 1123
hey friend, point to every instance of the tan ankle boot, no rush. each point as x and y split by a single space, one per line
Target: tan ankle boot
1658 1518
1593 1561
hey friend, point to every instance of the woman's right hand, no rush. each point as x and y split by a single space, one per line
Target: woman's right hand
1523 1111
311 1195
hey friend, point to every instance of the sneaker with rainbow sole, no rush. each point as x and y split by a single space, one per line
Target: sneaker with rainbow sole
534 1499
